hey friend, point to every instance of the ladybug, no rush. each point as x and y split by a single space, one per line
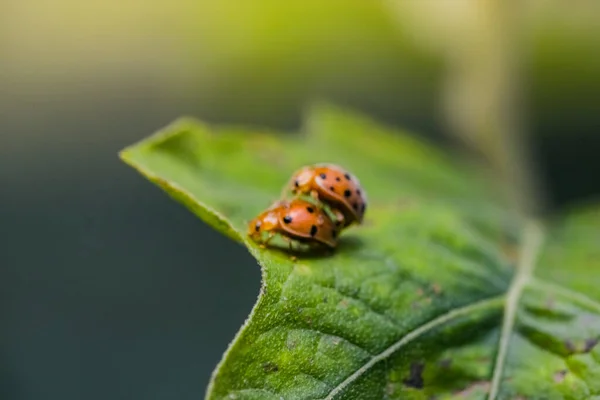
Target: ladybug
297 220
335 186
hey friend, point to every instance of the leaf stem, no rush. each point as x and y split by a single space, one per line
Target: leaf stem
532 241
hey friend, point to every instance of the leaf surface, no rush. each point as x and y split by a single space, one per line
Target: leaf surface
442 293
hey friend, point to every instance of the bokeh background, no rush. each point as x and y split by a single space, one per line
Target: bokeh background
109 289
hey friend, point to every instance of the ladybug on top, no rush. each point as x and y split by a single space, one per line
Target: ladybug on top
335 200
333 186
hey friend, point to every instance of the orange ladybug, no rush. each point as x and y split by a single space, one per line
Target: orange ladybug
297 220
335 186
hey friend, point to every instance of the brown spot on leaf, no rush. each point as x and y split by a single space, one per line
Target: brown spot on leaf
343 303
560 376
420 292
436 288
269 367
570 346
590 344
581 346
415 379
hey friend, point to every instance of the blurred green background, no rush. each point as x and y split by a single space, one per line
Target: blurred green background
109 289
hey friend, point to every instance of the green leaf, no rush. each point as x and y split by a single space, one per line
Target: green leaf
442 293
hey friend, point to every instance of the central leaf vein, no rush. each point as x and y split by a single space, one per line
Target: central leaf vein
532 241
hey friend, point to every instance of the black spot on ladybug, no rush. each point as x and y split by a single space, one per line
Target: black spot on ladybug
257 226
323 176
332 189
337 178
313 230
347 193
310 209
358 192
355 206
347 176
296 183
287 219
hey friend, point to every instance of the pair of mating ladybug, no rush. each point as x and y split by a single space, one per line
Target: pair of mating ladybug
308 222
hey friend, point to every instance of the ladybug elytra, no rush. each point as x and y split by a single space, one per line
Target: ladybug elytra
297 220
334 186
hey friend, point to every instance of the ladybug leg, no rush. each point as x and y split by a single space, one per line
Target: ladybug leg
289 241
263 244
314 194
269 238
340 220
318 247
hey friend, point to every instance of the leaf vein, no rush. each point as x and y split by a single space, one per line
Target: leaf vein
415 334
566 292
468 266
362 302
317 331
532 242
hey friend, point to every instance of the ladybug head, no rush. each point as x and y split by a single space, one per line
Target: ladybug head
254 227
302 179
